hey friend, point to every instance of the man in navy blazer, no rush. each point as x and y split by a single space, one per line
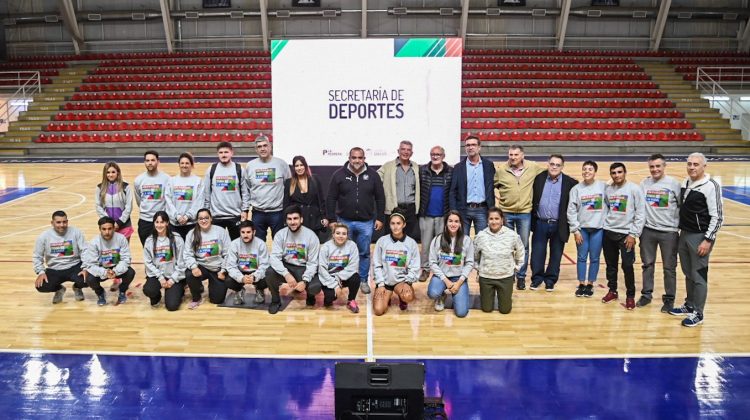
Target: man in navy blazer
549 222
472 191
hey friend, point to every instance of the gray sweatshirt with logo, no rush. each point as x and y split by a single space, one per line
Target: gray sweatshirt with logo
58 252
627 209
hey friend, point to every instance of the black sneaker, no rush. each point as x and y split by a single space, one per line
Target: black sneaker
534 286
310 301
588 290
667 306
274 307
580 290
643 301
520 284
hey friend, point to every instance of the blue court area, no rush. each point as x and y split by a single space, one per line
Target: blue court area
739 194
10 194
114 387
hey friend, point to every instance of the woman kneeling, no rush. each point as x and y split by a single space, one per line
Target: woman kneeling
396 266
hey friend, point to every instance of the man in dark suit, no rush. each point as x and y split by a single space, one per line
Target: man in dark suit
472 191
549 222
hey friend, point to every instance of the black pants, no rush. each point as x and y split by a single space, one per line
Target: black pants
613 245
217 289
275 280
230 223
126 277
182 230
352 284
172 296
55 279
259 285
144 230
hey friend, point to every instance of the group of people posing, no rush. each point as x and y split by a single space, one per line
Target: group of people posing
213 228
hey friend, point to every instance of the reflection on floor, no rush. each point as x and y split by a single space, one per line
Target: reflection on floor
105 386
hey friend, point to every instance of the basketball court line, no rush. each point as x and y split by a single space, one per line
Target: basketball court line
383 357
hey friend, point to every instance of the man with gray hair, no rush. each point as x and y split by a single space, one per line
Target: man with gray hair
263 188
662 193
701 216
400 178
435 183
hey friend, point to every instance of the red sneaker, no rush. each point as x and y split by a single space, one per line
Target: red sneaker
630 304
352 306
609 297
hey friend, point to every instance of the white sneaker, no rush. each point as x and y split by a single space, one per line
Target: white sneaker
239 297
440 303
365 288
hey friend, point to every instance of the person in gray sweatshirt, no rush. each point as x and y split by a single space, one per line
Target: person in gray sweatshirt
263 189
294 260
586 213
498 256
162 256
451 261
107 257
57 258
203 256
338 265
246 263
661 192
396 265
184 196
150 187
622 226
222 193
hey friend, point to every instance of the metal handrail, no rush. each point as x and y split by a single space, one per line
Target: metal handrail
27 84
708 85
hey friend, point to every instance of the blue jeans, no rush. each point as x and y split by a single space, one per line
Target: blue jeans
544 234
361 234
478 216
460 299
591 250
267 219
521 223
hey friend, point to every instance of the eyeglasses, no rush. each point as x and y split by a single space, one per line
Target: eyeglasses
204 219
436 154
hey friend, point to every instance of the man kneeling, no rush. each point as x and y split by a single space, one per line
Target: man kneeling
294 260
246 263
60 249
107 257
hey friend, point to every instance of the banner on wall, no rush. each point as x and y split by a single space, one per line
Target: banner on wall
331 95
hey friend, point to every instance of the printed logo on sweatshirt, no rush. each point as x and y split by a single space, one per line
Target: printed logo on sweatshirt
265 175
592 202
395 257
108 258
61 249
337 263
450 259
209 248
151 192
247 262
183 192
226 182
295 251
163 253
618 203
657 198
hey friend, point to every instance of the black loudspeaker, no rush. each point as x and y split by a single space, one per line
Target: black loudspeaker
379 391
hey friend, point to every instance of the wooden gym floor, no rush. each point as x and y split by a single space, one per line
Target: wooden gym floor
547 325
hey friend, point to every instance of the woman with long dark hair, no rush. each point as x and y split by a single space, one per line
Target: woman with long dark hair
451 261
306 191
162 256
205 249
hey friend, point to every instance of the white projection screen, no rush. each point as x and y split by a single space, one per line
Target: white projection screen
332 95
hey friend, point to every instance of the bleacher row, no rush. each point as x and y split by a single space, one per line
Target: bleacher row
508 95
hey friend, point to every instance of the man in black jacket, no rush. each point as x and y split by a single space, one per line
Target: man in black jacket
701 216
350 201
549 222
435 182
